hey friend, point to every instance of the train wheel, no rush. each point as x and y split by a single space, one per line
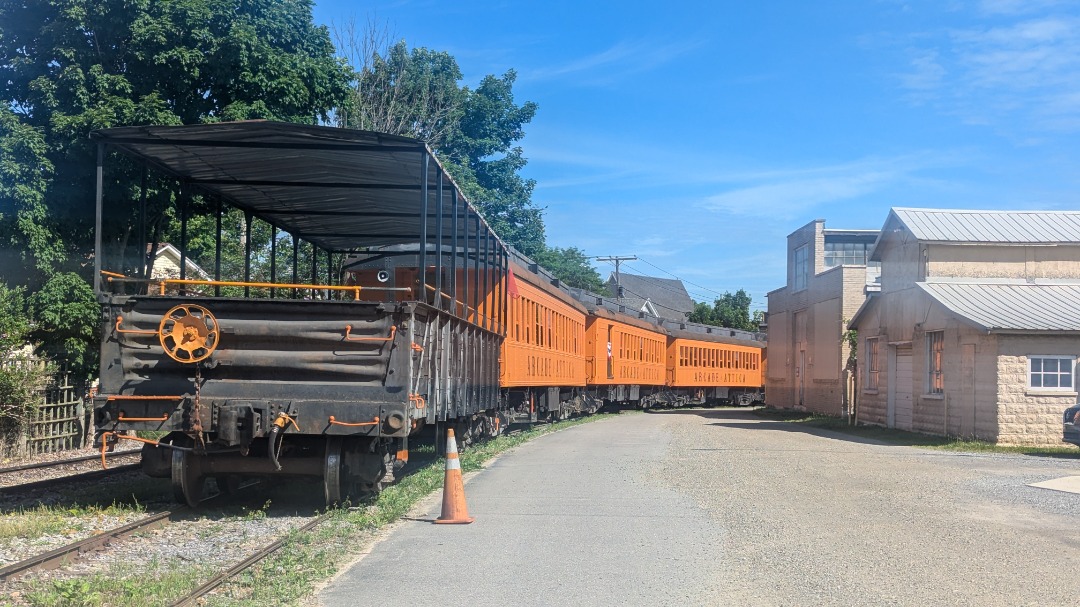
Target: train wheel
187 479
334 471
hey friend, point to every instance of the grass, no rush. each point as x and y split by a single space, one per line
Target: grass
29 523
292 573
912 439
156 583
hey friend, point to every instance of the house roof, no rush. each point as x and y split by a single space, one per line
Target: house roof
667 296
1010 305
984 227
1014 227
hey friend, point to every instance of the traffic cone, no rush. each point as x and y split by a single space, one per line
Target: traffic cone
454 510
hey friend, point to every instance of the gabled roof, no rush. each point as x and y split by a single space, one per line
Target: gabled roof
1019 227
985 227
1010 305
667 296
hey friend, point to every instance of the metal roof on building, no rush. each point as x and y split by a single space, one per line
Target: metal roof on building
1009 227
341 189
1010 305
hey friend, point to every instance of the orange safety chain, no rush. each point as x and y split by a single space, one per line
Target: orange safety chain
335 422
419 400
348 331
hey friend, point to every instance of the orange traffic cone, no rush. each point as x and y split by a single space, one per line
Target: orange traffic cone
454 510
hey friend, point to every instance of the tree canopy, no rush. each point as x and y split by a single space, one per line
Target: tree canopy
474 132
731 310
67 68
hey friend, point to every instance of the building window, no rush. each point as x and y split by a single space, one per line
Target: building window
846 253
935 344
1051 372
802 268
873 363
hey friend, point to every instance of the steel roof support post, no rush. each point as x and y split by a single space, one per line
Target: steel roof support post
248 218
454 247
314 270
496 285
295 263
98 199
487 278
183 234
506 290
330 274
217 248
273 259
425 162
145 264
465 263
438 241
476 273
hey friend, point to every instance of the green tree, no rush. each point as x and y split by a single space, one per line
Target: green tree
19 380
68 67
483 158
731 310
572 267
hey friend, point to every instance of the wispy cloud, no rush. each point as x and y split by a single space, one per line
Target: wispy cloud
625 58
1018 71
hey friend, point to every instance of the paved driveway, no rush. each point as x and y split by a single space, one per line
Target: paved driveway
718 507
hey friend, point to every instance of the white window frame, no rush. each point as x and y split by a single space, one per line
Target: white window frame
873 363
1058 374
801 265
935 379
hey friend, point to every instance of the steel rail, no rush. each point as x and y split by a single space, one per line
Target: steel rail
74 460
192 597
64 554
60 480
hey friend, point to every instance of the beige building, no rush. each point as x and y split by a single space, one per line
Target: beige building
827 280
976 329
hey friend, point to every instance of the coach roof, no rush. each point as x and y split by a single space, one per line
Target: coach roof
341 189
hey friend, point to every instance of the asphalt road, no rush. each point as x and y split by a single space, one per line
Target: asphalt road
719 507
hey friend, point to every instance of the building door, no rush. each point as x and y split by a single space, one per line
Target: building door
903 403
967 390
800 376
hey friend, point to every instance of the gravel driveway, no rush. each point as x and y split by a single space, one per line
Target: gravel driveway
827 519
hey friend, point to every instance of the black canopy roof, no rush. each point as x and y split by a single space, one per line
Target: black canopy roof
341 189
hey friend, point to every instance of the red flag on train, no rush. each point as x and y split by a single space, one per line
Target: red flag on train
511 284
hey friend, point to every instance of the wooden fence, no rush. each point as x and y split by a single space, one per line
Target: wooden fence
58 422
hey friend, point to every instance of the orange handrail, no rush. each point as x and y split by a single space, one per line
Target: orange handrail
163 418
348 330
419 400
334 422
123 397
120 319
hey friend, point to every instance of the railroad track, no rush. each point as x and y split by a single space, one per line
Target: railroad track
69 478
66 554
64 462
192 597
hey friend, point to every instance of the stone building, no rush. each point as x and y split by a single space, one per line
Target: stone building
828 277
976 329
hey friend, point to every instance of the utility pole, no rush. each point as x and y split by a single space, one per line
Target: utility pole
617 259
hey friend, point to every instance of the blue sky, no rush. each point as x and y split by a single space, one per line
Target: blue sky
697 136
